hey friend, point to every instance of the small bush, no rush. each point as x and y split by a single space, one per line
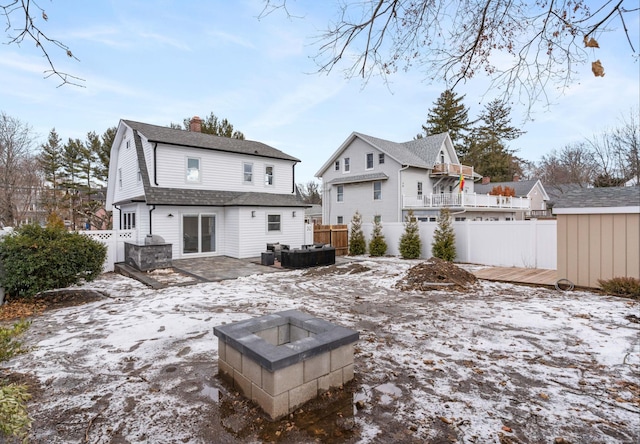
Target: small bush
410 243
37 259
444 238
377 245
14 420
621 286
357 244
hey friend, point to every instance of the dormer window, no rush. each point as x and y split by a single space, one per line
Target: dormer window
268 175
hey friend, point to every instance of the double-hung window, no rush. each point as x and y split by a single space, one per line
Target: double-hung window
340 193
247 169
337 165
419 189
193 169
268 175
273 222
377 190
347 164
369 161
381 158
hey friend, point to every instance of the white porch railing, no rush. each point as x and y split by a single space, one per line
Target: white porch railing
461 200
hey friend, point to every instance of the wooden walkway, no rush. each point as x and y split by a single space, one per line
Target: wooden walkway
533 276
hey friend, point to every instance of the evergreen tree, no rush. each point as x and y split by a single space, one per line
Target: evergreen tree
444 238
449 114
50 163
104 154
357 243
410 243
487 149
71 171
377 245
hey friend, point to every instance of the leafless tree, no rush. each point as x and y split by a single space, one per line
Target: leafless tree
572 165
525 47
23 20
16 142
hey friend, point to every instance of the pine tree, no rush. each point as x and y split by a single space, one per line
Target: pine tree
377 245
50 163
444 238
487 149
357 243
449 114
410 243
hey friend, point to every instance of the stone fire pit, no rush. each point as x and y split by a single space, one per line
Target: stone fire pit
282 360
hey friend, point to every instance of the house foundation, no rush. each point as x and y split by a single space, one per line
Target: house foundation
282 360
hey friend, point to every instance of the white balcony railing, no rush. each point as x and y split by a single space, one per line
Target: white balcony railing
462 200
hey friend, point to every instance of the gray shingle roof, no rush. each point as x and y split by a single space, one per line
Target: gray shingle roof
600 198
192 197
162 134
359 178
420 152
521 187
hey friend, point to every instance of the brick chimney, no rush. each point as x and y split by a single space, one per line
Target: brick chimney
195 125
486 180
516 178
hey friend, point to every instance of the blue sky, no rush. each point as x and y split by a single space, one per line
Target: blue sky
158 62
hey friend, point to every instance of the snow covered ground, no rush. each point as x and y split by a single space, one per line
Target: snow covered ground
499 364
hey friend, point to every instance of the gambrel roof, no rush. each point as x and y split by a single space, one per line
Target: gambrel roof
170 136
421 153
197 197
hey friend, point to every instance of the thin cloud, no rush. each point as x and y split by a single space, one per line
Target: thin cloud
230 38
164 40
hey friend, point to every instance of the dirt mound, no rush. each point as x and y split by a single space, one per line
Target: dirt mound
351 268
436 274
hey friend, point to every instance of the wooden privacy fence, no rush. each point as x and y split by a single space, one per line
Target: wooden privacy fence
336 235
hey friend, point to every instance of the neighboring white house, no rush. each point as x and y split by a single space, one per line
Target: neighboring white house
205 195
384 179
531 189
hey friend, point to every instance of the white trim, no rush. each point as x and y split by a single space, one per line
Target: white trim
598 210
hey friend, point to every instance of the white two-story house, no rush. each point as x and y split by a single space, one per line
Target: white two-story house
205 195
384 180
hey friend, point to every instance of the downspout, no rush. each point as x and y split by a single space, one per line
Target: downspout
401 203
150 220
155 169
293 178
119 217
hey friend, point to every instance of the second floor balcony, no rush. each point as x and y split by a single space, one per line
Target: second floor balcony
464 200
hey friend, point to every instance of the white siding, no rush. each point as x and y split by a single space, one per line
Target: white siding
255 235
128 164
359 196
220 171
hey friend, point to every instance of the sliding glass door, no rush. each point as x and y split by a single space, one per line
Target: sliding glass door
199 233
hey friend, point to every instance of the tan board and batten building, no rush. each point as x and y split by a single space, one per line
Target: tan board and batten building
598 234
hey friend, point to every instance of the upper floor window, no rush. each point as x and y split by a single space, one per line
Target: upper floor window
441 156
381 158
369 161
119 177
347 165
247 169
419 189
377 190
193 169
128 144
273 222
337 165
340 193
268 175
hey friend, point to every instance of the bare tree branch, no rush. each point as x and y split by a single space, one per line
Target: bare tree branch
22 9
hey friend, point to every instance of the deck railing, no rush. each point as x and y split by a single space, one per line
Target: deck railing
466 200
451 169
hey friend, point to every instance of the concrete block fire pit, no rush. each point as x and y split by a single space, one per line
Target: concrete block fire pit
282 360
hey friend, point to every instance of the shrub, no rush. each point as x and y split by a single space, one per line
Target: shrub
444 238
621 286
377 245
410 243
36 259
357 244
14 420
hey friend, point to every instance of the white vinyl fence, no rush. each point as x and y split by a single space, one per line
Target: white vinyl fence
114 240
525 244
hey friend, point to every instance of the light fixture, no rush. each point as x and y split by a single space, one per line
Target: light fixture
293 214
169 215
253 213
